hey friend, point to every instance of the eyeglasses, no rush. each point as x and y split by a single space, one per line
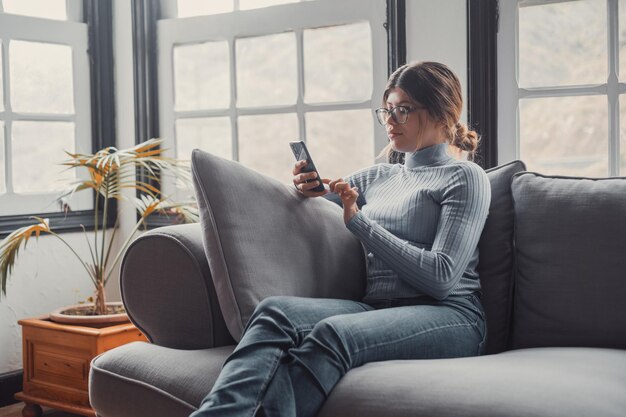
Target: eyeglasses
399 114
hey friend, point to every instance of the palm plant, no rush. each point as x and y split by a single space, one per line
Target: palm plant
111 171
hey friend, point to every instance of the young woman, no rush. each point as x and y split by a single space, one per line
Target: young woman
420 222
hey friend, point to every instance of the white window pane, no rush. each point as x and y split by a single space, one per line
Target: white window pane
267 70
622 41
37 152
565 135
264 144
256 4
188 8
41 77
338 63
202 76
48 9
336 151
622 124
3 188
211 134
563 44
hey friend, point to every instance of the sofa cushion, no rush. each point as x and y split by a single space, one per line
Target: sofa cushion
495 267
540 382
262 238
145 380
570 283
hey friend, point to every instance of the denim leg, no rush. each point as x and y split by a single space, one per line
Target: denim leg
278 324
439 330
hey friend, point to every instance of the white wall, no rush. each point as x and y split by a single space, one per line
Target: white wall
124 100
47 276
437 31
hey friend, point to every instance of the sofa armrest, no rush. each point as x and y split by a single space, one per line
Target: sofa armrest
168 290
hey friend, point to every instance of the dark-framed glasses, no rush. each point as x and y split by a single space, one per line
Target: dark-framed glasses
399 114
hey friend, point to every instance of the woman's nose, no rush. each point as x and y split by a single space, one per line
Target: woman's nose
390 121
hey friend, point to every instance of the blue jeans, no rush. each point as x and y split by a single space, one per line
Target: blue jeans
294 350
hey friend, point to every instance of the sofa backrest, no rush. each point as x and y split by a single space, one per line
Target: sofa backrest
495 267
570 269
262 238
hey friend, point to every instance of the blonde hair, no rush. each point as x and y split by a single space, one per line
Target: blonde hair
435 86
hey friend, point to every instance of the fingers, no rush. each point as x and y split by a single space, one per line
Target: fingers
349 193
306 178
337 186
298 167
306 189
334 183
306 186
344 191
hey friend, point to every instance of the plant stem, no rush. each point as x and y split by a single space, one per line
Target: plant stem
106 258
100 301
104 226
93 258
95 225
123 249
90 273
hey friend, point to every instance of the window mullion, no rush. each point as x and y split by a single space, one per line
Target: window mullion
544 92
507 94
300 71
233 97
8 161
74 9
39 117
8 122
613 86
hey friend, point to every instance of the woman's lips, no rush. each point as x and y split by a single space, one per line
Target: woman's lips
393 135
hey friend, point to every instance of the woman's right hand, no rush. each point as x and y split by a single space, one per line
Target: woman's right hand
300 178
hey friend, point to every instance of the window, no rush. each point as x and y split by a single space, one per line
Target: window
562 80
45 106
241 79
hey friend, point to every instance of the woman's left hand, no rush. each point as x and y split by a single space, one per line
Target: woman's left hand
348 198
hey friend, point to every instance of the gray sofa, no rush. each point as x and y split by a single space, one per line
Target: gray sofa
553 271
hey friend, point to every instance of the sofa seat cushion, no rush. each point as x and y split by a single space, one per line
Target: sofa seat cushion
546 382
141 379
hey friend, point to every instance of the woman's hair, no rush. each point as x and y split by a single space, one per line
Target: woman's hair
435 86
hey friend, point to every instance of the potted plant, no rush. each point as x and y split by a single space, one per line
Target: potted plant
111 171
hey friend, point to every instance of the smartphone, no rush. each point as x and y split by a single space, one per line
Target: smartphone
301 152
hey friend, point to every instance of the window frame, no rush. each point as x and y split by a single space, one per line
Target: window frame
245 24
145 15
482 75
510 93
98 17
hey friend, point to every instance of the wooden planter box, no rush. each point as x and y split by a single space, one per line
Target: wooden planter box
57 358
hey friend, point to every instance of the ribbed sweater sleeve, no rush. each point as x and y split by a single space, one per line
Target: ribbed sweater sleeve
464 208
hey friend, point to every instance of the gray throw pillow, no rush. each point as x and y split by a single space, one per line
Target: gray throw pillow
262 238
495 266
570 281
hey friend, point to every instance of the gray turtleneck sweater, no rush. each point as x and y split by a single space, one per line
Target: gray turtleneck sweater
420 223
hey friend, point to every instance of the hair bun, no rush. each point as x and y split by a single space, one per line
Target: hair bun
465 139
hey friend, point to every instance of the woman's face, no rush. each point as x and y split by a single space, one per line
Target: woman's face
419 131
